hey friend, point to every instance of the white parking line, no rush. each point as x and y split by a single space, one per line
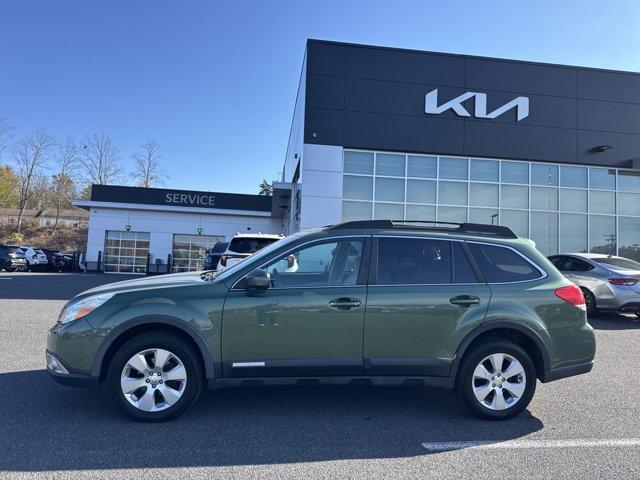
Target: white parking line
524 444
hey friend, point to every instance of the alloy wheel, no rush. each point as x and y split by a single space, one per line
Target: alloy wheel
153 380
499 381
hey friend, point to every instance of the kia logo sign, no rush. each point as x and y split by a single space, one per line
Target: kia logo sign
521 104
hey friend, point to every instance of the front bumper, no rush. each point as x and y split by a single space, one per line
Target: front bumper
70 352
60 373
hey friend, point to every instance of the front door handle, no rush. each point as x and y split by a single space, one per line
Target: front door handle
464 301
344 303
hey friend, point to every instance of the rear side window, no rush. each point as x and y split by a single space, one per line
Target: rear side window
249 245
499 264
413 261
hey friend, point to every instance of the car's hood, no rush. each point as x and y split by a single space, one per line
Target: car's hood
160 281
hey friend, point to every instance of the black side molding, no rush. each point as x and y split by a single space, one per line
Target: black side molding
564 372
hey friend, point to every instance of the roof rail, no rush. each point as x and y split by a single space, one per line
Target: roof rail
430 225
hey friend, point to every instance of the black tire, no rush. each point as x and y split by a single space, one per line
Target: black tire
150 340
465 381
590 300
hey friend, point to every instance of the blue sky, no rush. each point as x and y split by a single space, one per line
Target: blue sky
215 82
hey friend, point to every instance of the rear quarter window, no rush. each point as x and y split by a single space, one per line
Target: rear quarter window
500 264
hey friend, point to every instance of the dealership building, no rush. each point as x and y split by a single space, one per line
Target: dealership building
551 151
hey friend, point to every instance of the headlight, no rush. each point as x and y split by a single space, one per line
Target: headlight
83 307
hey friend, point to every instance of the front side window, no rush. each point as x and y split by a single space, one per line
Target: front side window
319 265
413 261
500 265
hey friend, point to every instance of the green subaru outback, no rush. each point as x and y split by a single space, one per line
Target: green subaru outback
467 306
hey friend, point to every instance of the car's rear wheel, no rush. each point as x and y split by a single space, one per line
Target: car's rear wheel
497 379
590 301
155 377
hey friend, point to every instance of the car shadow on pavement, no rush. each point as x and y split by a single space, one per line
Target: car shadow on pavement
614 321
49 427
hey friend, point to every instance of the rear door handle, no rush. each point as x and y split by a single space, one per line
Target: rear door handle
344 303
464 301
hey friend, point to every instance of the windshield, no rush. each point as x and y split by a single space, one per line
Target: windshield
261 254
619 262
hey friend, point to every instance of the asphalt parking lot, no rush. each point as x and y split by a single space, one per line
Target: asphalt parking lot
581 427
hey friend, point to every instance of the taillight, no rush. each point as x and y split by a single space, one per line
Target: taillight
223 261
623 281
571 294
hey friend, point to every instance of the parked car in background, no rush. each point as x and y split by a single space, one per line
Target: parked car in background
212 257
244 245
36 259
375 302
58 261
12 258
607 282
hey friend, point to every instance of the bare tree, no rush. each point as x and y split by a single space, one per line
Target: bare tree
63 187
5 135
100 160
146 171
30 156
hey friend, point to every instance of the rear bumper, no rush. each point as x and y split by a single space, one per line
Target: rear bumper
631 307
569 371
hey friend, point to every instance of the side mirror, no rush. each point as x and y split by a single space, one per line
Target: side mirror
257 279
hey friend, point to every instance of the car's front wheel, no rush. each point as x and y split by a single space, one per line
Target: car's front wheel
155 377
497 379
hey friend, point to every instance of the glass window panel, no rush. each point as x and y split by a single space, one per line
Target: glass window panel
483 194
454 168
411 261
573 233
544 198
628 181
544 231
629 242
357 188
514 196
602 178
462 269
452 214
452 193
319 265
390 189
484 170
356 211
390 211
515 172
421 191
390 164
488 216
573 200
542 174
602 234
629 204
573 176
421 212
500 264
516 220
358 162
602 202
113 234
423 167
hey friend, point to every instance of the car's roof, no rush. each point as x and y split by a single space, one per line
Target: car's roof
463 231
257 235
585 255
